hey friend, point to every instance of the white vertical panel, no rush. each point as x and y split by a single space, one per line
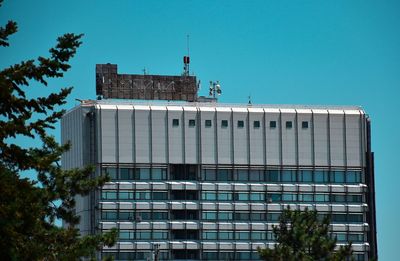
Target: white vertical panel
207 136
336 118
108 133
159 129
191 136
353 139
175 134
304 137
288 137
321 137
125 133
142 134
256 136
224 136
272 137
240 136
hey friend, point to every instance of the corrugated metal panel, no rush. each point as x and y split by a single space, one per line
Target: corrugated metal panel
305 150
224 136
142 134
353 139
240 136
208 143
125 134
191 136
108 133
159 134
273 148
256 136
337 141
288 118
321 138
175 134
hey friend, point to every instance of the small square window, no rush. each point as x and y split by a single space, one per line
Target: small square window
224 123
240 124
192 123
256 124
208 123
272 124
304 124
289 125
175 122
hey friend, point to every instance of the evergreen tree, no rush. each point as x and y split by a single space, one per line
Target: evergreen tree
29 208
301 236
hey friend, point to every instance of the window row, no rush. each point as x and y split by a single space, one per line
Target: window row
240 124
217 216
137 256
138 195
142 235
189 172
282 176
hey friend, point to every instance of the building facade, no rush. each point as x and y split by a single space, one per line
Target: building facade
206 181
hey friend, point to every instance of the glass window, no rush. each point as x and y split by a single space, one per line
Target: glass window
208 196
242 175
274 197
125 216
160 195
160 235
289 197
321 176
224 175
175 122
256 124
353 177
224 123
243 235
142 195
209 174
288 176
321 198
340 237
125 174
306 197
159 174
124 235
258 235
306 176
192 123
207 123
208 215
143 235
225 196
337 177
273 216
240 124
338 198
257 216
109 215
242 196
257 196
243 255
256 175
160 215
355 198
210 235
289 125
124 195
109 195
144 173
273 176
225 215
304 124
339 218
225 235
355 218
111 172
241 216
356 237
143 215
210 256
272 124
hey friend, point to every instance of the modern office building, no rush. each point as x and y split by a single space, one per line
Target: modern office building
206 181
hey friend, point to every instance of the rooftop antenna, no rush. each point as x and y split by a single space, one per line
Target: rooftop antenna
249 97
215 88
144 71
186 59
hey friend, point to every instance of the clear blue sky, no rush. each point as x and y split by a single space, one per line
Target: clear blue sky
279 52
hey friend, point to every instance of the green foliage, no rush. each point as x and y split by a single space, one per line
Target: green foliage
29 209
301 236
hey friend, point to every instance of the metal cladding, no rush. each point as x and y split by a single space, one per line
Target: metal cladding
111 85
